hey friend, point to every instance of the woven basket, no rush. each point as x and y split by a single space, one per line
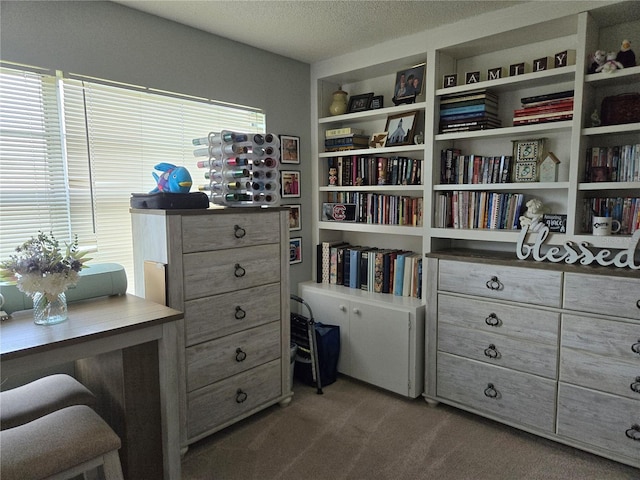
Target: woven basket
619 109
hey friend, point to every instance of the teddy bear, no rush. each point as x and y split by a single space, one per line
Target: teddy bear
533 216
611 64
626 56
599 57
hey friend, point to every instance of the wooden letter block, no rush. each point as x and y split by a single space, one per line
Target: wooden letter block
562 59
494 73
472 77
450 80
544 63
517 69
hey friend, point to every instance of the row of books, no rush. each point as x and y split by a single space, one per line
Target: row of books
477 110
618 163
459 169
376 208
551 107
624 209
356 170
396 272
346 142
484 210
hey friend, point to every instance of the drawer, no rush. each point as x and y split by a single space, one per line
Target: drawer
231 398
523 323
513 396
218 232
210 273
597 354
617 296
495 349
518 284
212 317
212 361
600 420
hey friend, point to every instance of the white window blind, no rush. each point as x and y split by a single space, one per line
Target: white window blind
114 137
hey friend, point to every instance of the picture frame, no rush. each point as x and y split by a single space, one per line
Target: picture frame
359 103
295 217
401 128
409 84
378 140
377 101
289 149
290 182
295 250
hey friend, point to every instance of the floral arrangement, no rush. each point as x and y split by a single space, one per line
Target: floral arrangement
41 266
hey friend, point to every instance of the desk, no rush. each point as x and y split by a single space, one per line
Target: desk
143 335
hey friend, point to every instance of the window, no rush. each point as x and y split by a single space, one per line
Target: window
72 151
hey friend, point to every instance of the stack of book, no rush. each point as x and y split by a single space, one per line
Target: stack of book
347 138
617 163
478 210
456 168
477 110
552 107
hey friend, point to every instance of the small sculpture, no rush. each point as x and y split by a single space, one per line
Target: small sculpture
333 176
611 65
172 180
595 119
626 56
533 215
598 59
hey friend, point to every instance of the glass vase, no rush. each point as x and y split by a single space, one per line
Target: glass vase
49 312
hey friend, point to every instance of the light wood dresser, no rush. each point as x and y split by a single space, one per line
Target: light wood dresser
227 269
547 348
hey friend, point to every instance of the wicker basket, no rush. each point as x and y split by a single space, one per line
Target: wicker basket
619 109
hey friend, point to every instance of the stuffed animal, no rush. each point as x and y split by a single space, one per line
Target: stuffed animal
533 216
611 65
172 180
626 56
598 59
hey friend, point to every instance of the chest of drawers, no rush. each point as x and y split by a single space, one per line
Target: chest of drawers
227 269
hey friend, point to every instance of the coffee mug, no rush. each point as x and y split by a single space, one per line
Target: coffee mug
605 225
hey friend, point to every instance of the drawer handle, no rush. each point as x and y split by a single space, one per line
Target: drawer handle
491 391
240 313
241 356
240 396
635 386
238 231
494 284
492 320
239 271
638 304
635 348
492 352
633 433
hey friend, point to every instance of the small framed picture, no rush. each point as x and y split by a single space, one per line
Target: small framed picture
377 102
290 149
401 128
295 250
378 139
359 103
294 217
409 84
290 183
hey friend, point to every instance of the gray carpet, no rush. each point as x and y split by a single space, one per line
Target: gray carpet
355 431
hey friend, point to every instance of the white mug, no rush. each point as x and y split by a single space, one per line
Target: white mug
605 225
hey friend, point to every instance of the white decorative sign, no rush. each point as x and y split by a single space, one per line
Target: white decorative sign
576 252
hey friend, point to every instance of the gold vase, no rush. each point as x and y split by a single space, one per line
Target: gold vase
339 104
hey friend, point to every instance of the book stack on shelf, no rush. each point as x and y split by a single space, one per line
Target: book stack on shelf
462 112
618 163
624 209
459 169
376 208
551 107
392 271
478 210
347 138
357 170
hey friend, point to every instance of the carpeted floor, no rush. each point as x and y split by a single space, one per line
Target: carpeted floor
356 432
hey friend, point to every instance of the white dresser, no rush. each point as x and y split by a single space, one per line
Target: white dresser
539 346
227 269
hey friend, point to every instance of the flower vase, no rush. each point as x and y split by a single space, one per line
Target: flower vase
339 104
49 312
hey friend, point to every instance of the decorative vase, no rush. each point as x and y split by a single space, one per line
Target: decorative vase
339 104
49 312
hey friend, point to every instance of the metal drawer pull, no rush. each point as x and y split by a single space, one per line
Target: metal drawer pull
491 351
491 391
238 231
239 271
492 320
241 356
635 348
635 386
638 304
240 396
240 313
633 433
494 284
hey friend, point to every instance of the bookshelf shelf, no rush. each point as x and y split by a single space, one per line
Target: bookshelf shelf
611 129
372 228
398 189
510 187
515 132
378 114
594 187
416 150
617 77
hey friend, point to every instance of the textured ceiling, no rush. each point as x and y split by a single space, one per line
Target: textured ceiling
313 30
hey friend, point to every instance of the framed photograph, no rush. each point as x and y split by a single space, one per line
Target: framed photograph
290 183
359 103
401 128
377 102
409 84
295 217
290 149
295 250
378 139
